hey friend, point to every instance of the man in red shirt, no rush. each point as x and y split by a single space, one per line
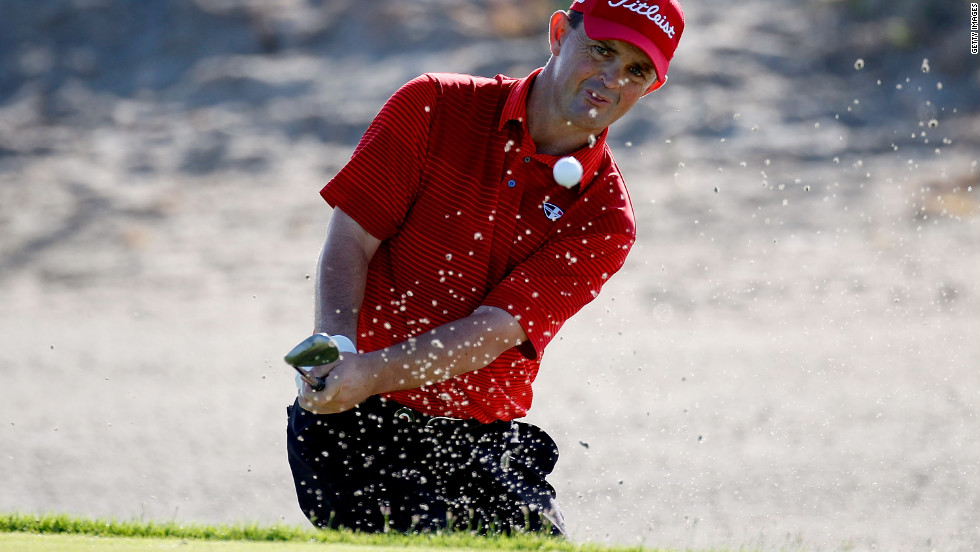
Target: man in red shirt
451 260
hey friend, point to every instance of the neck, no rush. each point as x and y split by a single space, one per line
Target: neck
552 134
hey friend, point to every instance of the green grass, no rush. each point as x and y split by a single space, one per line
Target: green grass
24 532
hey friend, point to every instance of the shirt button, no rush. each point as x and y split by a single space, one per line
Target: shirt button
527 159
511 183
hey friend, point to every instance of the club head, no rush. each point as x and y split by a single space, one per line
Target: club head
315 350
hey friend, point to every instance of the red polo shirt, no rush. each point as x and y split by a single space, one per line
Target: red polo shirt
447 177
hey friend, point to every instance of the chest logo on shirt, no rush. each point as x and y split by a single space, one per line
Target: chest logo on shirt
552 211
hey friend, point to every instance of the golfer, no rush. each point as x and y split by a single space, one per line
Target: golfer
451 260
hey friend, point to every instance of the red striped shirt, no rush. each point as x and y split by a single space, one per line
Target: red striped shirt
448 178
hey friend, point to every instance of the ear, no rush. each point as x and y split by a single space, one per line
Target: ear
558 30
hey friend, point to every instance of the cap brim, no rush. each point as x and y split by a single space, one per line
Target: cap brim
603 29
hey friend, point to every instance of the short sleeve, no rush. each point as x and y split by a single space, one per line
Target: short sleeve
544 291
381 180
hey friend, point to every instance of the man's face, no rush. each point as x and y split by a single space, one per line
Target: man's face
599 80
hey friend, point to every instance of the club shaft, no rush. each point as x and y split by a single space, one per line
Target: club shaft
316 383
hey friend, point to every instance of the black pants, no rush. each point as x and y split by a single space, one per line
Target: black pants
380 466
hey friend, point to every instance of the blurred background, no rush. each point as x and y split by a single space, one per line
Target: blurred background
789 359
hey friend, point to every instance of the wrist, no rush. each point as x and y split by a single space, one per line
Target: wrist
383 374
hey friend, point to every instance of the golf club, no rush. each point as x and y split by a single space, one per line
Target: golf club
316 350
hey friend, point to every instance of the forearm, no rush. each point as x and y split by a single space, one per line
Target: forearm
341 276
339 292
447 351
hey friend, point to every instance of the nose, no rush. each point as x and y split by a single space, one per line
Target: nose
613 76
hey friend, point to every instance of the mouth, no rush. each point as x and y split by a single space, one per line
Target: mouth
595 98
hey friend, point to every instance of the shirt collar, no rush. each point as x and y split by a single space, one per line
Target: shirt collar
515 109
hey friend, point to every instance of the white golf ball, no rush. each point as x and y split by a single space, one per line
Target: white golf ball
568 172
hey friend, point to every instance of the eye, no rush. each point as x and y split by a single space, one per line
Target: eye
600 50
638 74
